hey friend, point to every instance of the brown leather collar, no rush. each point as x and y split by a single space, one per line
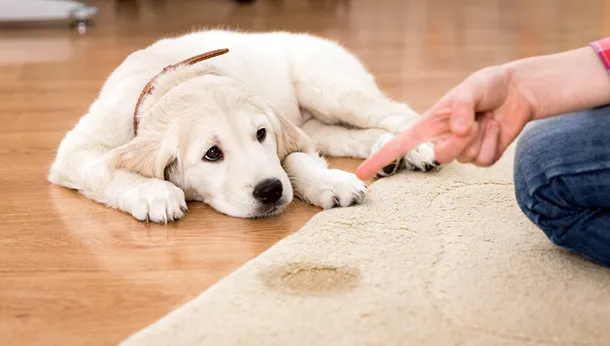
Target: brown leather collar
149 86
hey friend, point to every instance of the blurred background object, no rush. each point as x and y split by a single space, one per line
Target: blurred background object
28 11
75 13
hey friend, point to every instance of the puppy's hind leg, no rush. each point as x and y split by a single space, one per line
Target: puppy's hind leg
337 90
340 141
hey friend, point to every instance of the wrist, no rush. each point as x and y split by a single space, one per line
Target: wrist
519 83
561 83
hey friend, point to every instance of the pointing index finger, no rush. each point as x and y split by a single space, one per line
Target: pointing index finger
426 129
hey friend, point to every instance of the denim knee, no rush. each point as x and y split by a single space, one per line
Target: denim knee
556 187
545 208
534 194
540 189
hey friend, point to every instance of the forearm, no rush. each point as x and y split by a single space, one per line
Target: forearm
564 82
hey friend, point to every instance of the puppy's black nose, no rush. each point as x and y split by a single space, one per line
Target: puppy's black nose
268 190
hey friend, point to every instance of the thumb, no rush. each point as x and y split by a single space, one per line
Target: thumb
462 118
460 102
463 102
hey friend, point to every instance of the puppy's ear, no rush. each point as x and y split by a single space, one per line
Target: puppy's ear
147 155
289 137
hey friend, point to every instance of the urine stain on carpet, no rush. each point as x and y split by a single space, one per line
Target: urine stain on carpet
310 278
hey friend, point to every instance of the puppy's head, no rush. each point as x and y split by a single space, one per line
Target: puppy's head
219 142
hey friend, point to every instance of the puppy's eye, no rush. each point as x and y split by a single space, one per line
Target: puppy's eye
261 134
214 154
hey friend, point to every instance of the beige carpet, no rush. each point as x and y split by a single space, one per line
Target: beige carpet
431 259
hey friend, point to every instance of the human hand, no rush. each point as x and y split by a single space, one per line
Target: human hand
474 122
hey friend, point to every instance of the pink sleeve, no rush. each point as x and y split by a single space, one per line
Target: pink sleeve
602 47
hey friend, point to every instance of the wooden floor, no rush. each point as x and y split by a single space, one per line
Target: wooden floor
73 272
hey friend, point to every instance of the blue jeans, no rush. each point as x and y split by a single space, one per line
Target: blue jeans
562 180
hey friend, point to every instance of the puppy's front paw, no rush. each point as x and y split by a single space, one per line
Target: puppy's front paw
421 158
335 188
391 168
155 200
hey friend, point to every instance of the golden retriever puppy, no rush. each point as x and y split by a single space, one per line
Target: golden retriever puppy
242 130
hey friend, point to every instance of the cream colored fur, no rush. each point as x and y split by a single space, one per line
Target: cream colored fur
310 96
